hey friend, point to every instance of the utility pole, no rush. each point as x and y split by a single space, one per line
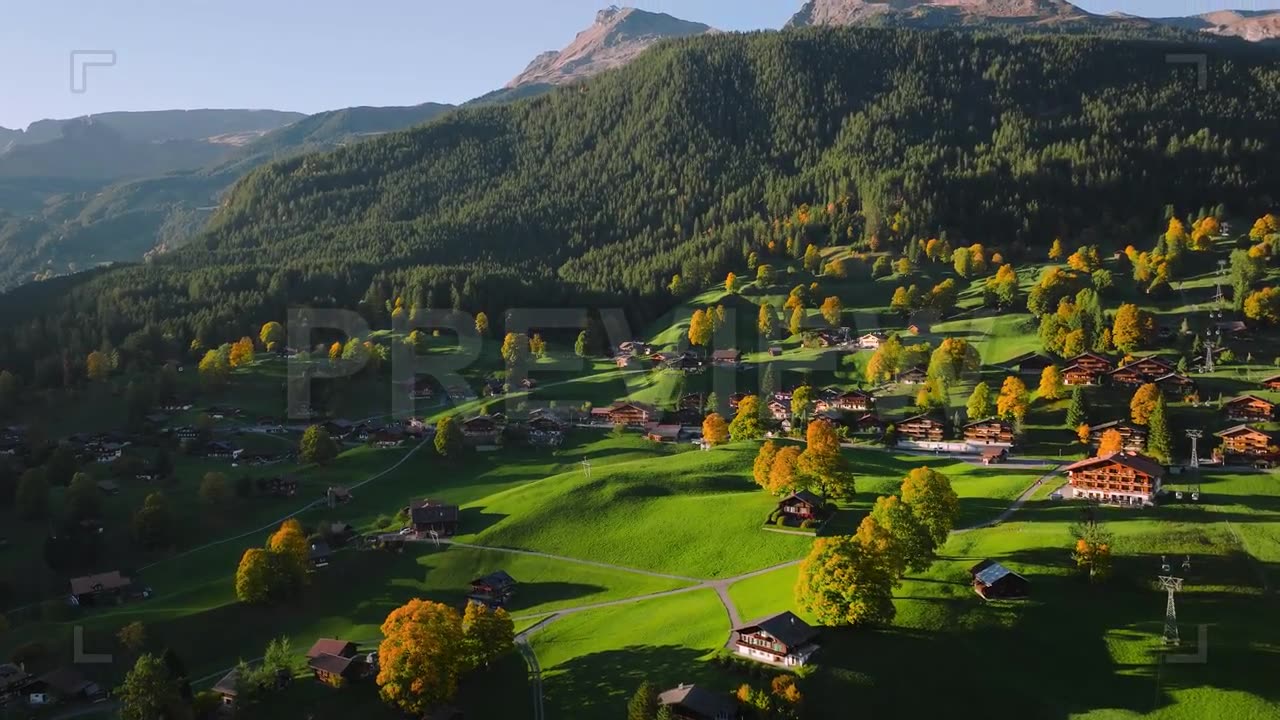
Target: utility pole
1195 435
586 467
1170 585
1209 346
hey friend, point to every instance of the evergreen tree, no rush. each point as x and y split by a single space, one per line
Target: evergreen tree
1078 411
1159 436
644 702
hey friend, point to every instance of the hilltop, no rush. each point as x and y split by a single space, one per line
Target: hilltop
616 38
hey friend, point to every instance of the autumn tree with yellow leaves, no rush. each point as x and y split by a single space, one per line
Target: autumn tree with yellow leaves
1014 401
1143 403
715 431
422 656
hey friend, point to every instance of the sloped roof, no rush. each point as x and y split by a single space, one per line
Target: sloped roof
1141 463
993 573
103 581
433 513
1238 429
1248 398
331 646
496 579
806 497
333 664
785 626
703 702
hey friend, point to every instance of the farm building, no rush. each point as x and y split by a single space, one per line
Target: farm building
992 431
849 401
1271 383
335 662
1250 408
67 684
658 433
994 581
799 507
1030 363
1141 372
1118 478
871 341
628 413
690 702
1176 384
429 516
726 358
494 589
913 376
994 455
1075 374
92 589
782 639
481 430
922 428
1135 436
1246 441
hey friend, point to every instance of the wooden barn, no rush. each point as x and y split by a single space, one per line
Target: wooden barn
993 581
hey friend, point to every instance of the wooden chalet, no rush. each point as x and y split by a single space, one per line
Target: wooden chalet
867 423
993 581
95 589
994 455
1135 436
494 589
226 689
848 401
737 398
922 428
337 662
1076 374
1176 384
871 341
66 684
726 358
692 401
482 429
780 408
782 639
659 433
1271 383
1245 441
1093 362
1140 372
799 507
1118 478
631 414
1250 408
430 516
1030 363
992 431
913 376
690 702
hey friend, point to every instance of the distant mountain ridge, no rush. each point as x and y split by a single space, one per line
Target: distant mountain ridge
616 38
1253 26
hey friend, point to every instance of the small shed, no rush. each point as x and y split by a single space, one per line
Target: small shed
994 581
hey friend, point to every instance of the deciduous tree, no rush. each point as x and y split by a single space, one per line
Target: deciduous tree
254 577
242 353
421 656
153 523
746 424
316 446
1144 403
488 635
913 544
1263 306
83 500
823 464
933 501
150 692
97 366
845 582
1014 402
482 324
1134 328
731 283
980 406
715 431
1051 383
764 463
885 361
831 310
214 489
783 477
272 336
1110 442
700 329
767 321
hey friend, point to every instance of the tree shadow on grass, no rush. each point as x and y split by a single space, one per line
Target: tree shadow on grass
474 520
598 685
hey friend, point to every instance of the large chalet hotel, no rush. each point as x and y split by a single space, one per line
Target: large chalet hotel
1120 478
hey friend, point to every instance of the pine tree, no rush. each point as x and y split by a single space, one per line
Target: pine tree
644 703
1159 438
1078 412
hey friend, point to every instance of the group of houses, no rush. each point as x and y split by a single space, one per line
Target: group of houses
62 685
1092 368
991 438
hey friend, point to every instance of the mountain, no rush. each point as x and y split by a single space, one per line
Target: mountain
53 226
1254 26
116 146
939 12
686 161
616 38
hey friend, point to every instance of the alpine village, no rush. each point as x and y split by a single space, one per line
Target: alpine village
912 360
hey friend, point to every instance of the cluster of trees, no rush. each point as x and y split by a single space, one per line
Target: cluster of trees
428 646
277 572
987 136
786 468
850 580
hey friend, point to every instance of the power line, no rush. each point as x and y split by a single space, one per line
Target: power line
1170 585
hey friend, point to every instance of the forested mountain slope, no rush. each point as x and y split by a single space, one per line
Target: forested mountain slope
54 226
681 161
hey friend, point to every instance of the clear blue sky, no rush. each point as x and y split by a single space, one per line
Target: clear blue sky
311 55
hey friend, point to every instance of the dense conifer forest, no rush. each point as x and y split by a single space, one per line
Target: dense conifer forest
697 154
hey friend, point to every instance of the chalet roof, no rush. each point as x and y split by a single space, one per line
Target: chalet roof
227 685
785 626
1179 377
499 579
917 370
1273 378
856 392
96 583
479 420
331 646
429 512
922 416
664 431
1239 429
646 407
988 421
1249 398
994 452
994 573
700 701
805 497
333 664
1141 463
1113 424
65 681
1094 355
726 355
